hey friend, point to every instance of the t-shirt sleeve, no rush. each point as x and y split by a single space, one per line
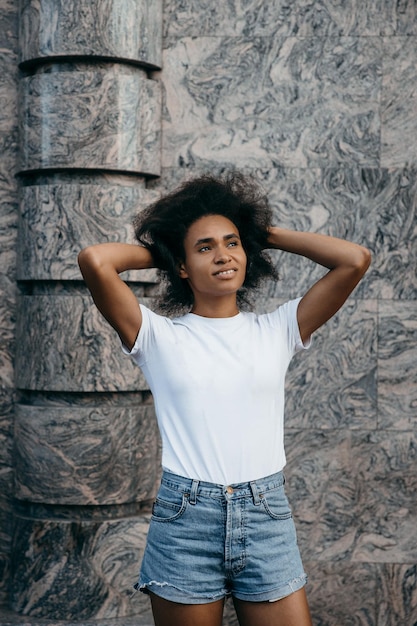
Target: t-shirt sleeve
152 326
286 317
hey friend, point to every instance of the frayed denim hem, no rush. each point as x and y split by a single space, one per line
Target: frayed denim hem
175 594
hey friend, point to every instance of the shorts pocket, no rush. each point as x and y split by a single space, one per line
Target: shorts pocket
276 504
164 510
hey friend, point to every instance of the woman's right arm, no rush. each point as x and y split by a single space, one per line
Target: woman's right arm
100 266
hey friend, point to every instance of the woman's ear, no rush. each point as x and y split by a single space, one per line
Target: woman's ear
182 271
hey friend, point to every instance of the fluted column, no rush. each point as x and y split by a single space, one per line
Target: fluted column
86 442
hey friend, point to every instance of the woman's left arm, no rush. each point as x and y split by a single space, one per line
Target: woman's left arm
347 263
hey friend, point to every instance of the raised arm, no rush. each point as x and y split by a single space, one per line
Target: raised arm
100 266
346 261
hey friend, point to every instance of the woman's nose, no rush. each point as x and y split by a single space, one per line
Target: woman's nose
222 255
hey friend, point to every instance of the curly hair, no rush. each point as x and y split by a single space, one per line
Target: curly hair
163 225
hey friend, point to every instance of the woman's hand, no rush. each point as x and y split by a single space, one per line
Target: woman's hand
347 263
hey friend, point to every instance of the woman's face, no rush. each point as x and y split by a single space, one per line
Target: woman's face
215 261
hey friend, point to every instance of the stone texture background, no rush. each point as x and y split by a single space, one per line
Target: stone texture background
317 99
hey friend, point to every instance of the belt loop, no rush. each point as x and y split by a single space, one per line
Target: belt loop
255 493
193 492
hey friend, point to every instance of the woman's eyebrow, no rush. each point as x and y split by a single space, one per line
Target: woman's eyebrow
211 239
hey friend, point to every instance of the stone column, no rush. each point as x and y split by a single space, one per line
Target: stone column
86 443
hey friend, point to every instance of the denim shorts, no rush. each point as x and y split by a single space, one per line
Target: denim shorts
208 541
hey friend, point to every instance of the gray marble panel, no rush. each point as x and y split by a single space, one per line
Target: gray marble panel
8 295
300 17
64 344
390 232
397 594
333 385
398 18
297 102
78 570
6 522
10 618
8 203
325 509
322 492
7 400
229 19
356 502
229 614
315 451
342 594
8 90
117 29
102 455
363 18
386 482
58 220
399 102
98 119
397 355
8 26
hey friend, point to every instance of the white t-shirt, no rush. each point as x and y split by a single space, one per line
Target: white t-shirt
218 387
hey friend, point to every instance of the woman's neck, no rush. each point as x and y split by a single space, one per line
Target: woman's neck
218 307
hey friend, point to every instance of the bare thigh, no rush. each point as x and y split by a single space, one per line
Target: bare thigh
290 611
167 613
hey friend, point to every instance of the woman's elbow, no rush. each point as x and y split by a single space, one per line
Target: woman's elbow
366 258
82 258
87 260
362 260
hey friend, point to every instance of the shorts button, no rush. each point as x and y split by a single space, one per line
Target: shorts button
229 489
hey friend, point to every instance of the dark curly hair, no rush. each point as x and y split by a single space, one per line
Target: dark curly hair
163 225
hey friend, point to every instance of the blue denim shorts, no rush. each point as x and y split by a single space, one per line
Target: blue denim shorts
209 541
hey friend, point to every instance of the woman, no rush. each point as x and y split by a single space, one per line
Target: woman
221 524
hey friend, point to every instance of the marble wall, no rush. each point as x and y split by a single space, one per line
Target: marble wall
317 100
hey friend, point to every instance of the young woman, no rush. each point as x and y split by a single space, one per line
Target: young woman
221 524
